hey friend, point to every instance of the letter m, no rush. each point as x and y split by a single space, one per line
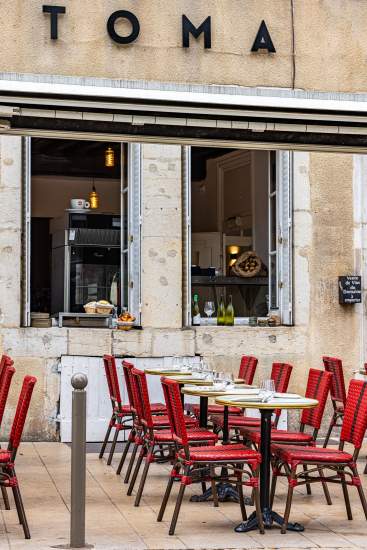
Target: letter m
188 28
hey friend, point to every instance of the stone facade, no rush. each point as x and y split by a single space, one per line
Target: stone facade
325 245
330 212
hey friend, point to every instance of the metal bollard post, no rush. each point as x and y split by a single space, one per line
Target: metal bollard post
78 461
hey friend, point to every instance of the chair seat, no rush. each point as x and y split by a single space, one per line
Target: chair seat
126 409
236 421
164 421
123 411
158 408
216 409
5 456
193 434
289 453
277 436
221 453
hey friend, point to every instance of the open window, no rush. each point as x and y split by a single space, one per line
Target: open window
238 240
81 230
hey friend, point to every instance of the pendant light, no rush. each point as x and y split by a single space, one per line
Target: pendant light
94 198
109 158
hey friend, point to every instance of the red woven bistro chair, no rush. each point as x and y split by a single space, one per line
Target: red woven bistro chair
246 373
156 441
337 393
160 422
197 461
121 414
4 361
280 373
157 409
8 476
341 464
5 382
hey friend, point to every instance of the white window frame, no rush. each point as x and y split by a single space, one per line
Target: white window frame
133 189
283 195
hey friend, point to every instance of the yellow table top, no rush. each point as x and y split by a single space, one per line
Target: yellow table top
240 391
235 401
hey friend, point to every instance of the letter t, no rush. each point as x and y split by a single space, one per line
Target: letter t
54 11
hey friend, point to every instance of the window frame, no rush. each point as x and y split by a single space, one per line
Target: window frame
134 223
283 195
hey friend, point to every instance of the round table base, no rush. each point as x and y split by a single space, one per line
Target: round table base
270 518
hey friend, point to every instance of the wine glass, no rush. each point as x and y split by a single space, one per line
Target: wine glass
209 308
267 389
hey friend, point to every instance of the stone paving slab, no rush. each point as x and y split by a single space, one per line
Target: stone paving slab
113 523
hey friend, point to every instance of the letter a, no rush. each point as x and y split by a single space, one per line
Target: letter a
263 40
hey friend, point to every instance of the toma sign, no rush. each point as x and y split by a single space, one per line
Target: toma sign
262 41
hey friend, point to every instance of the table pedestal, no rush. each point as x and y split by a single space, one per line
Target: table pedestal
269 516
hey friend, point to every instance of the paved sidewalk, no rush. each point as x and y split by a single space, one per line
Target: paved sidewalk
113 523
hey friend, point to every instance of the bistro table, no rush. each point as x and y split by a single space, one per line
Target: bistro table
266 410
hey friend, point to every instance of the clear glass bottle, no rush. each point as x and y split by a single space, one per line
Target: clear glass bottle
229 315
221 312
196 317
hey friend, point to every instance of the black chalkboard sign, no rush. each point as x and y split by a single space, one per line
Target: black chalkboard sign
350 289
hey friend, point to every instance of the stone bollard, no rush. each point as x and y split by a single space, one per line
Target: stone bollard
78 461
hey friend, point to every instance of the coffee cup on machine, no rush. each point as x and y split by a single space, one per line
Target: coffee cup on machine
79 204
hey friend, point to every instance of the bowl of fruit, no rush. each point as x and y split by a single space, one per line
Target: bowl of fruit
125 321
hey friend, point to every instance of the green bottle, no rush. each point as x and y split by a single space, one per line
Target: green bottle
229 315
196 317
221 312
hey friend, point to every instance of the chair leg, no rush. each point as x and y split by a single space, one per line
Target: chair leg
259 514
325 488
136 471
123 458
365 468
331 426
174 471
241 499
274 480
308 485
288 505
143 479
177 507
361 493
113 446
5 498
131 462
346 497
106 438
214 487
21 511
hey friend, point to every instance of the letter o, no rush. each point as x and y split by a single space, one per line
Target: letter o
123 14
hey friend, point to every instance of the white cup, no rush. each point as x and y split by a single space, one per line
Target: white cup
79 204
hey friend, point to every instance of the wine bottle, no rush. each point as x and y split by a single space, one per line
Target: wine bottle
221 312
229 315
196 317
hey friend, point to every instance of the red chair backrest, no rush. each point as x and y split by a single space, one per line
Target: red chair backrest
355 414
127 367
112 380
318 386
280 373
172 396
337 390
247 369
4 361
6 376
21 413
144 411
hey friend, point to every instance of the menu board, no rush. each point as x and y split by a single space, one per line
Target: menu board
350 289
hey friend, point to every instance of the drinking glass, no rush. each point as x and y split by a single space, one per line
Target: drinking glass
209 308
267 389
229 379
